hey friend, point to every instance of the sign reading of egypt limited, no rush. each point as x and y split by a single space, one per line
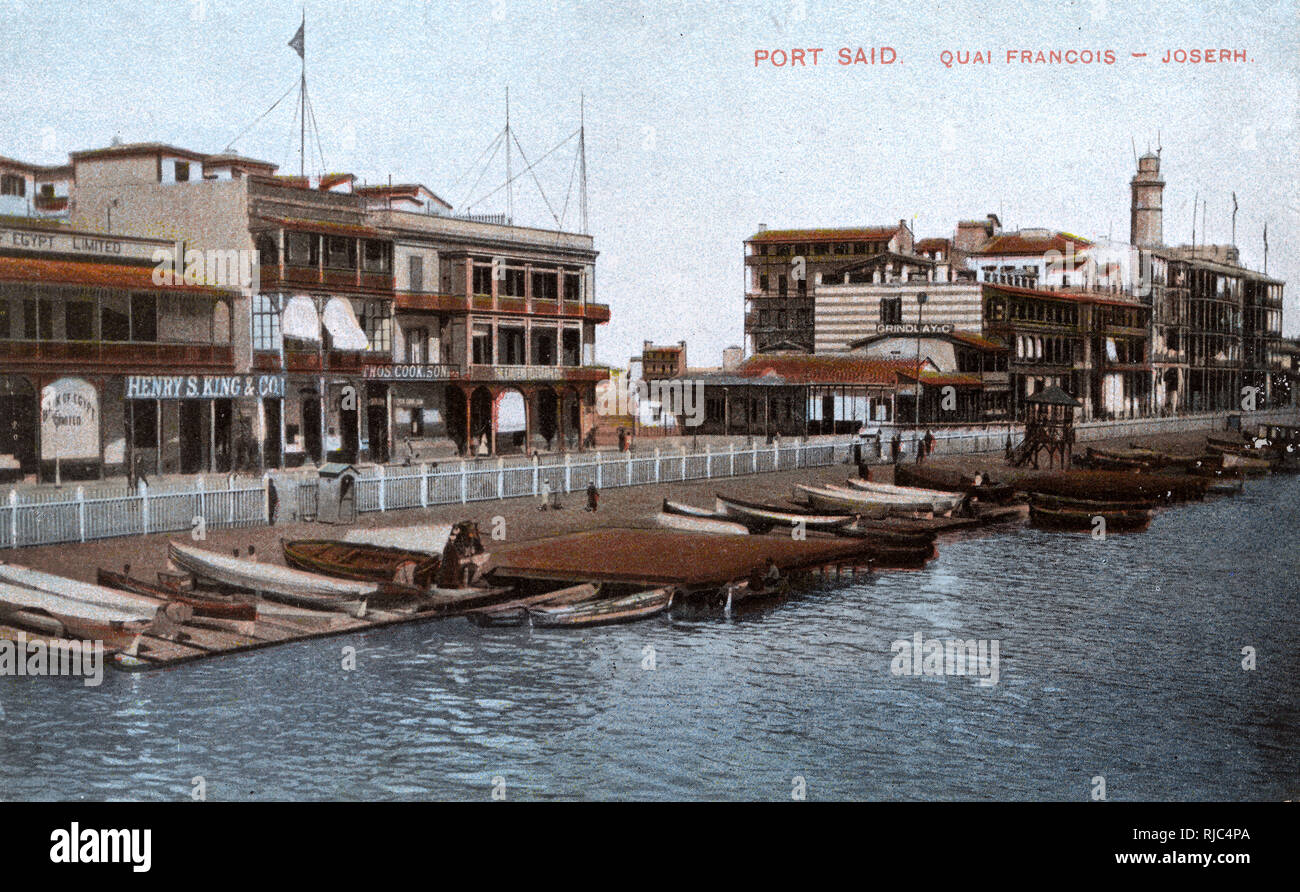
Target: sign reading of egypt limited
48 242
202 387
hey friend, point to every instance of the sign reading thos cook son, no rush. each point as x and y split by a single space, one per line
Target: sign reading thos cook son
202 387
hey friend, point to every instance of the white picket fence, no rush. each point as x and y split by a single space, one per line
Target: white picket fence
47 517
53 516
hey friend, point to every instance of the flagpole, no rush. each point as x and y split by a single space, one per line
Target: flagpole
302 98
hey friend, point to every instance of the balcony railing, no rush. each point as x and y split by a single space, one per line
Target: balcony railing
435 302
116 355
273 278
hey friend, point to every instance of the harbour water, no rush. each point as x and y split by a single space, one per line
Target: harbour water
1119 658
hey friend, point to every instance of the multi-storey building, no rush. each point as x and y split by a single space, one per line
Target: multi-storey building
210 315
785 268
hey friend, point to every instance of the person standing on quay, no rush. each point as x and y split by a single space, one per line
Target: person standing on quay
896 446
929 443
593 496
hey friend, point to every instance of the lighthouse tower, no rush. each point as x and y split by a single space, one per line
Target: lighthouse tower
1146 229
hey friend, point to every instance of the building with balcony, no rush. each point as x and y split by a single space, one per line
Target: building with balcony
360 323
102 368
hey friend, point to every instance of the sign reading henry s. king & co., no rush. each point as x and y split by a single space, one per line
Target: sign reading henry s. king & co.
203 387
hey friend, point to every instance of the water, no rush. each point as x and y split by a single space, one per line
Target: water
1119 658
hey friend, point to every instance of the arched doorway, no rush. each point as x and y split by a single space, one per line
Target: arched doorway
546 415
480 422
17 424
512 422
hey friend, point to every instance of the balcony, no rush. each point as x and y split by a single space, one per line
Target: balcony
530 373
305 362
275 278
115 356
434 302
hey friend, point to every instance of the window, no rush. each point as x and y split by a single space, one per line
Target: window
4 320
482 340
482 279
891 310
302 249
182 171
417 344
415 264
268 251
545 286
573 286
11 184
514 283
340 252
572 348
782 286
762 282
378 256
266 323
79 320
512 345
144 317
377 322
47 190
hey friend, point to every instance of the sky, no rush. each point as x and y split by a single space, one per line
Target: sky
690 144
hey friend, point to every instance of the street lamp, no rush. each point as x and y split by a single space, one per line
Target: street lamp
921 298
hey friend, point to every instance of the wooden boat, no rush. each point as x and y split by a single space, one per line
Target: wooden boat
1113 486
51 613
685 510
942 502
1180 461
739 592
785 517
297 587
931 477
353 560
1246 464
881 532
430 539
604 611
515 612
454 601
1225 487
699 524
1109 459
1066 519
86 592
1092 505
868 504
209 606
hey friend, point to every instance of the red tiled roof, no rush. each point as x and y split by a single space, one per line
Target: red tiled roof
943 379
852 234
977 341
1014 243
932 244
826 369
1085 297
100 275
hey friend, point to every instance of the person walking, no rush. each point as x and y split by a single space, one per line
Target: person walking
919 444
896 446
929 443
593 496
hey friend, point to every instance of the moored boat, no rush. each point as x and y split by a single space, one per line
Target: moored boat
671 507
297 587
869 504
89 593
941 501
211 607
360 561
118 629
700 524
1086 520
785 517
1246 464
515 612
641 605
952 481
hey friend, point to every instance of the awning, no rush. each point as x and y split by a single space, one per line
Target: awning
299 320
342 325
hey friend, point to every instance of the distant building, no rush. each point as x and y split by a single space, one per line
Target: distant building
663 361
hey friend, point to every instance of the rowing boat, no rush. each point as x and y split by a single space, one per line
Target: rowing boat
952 481
605 611
296 587
1113 486
51 613
872 504
1066 519
787 517
89 593
428 539
699 524
515 612
1246 464
1092 505
685 510
354 560
209 606
941 502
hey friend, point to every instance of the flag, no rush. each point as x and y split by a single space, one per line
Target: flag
1234 202
1265 237
297 42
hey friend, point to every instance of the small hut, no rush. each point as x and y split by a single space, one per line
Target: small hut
1049 424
